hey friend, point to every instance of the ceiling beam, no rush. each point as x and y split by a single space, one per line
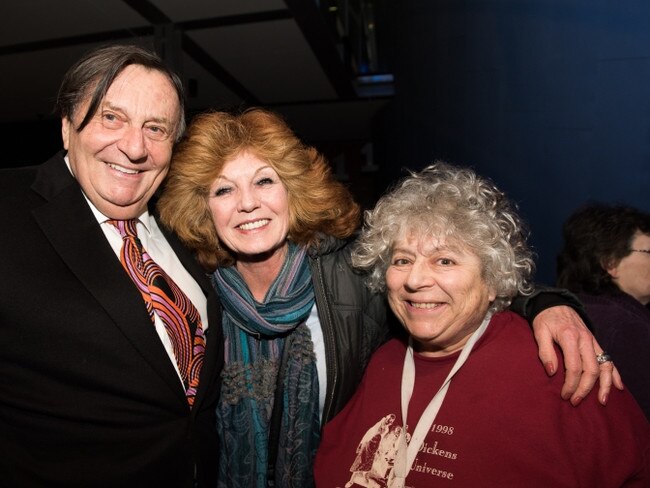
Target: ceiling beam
70 41
154 15
198 54
226 20
149 11
323 45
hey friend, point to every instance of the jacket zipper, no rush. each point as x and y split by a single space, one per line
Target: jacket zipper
324 312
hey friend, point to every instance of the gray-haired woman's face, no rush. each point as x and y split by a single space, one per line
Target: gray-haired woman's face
437 291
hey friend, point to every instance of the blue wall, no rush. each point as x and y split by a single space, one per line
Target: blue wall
551 99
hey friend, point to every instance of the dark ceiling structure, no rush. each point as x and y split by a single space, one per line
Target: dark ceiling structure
315 62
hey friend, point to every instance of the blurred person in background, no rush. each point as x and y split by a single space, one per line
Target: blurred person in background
606 262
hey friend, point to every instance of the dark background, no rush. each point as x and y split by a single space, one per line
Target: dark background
549 98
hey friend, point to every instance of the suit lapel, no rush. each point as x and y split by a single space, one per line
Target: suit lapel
71 228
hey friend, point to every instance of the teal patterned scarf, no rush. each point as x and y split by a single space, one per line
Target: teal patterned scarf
254 335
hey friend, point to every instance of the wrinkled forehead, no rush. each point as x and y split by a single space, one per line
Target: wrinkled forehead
160 90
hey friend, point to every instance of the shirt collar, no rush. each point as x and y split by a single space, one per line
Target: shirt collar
144 217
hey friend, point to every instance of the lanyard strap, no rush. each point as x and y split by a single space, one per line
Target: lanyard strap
406 451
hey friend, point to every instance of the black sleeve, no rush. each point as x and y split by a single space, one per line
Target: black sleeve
543 297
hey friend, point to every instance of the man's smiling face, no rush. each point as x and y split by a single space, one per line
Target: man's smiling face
123 154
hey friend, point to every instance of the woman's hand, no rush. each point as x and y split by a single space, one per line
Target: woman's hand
562 324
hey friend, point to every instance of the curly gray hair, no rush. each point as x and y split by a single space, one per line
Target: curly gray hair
465 208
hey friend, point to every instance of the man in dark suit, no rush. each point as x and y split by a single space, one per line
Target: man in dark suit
93 392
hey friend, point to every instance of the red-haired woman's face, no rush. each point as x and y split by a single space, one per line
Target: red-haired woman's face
250 208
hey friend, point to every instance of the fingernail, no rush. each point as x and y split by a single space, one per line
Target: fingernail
576 401
550 369
604 399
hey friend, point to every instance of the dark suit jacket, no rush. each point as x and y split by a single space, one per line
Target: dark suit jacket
88 395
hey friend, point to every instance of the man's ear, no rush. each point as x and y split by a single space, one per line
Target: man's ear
66 127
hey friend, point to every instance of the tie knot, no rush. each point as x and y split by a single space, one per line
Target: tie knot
126 228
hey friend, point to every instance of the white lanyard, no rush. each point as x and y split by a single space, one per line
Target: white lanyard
406 452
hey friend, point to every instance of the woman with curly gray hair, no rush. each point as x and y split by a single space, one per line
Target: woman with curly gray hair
467 209
470 402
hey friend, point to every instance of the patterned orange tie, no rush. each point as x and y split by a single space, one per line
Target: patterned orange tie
163 297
